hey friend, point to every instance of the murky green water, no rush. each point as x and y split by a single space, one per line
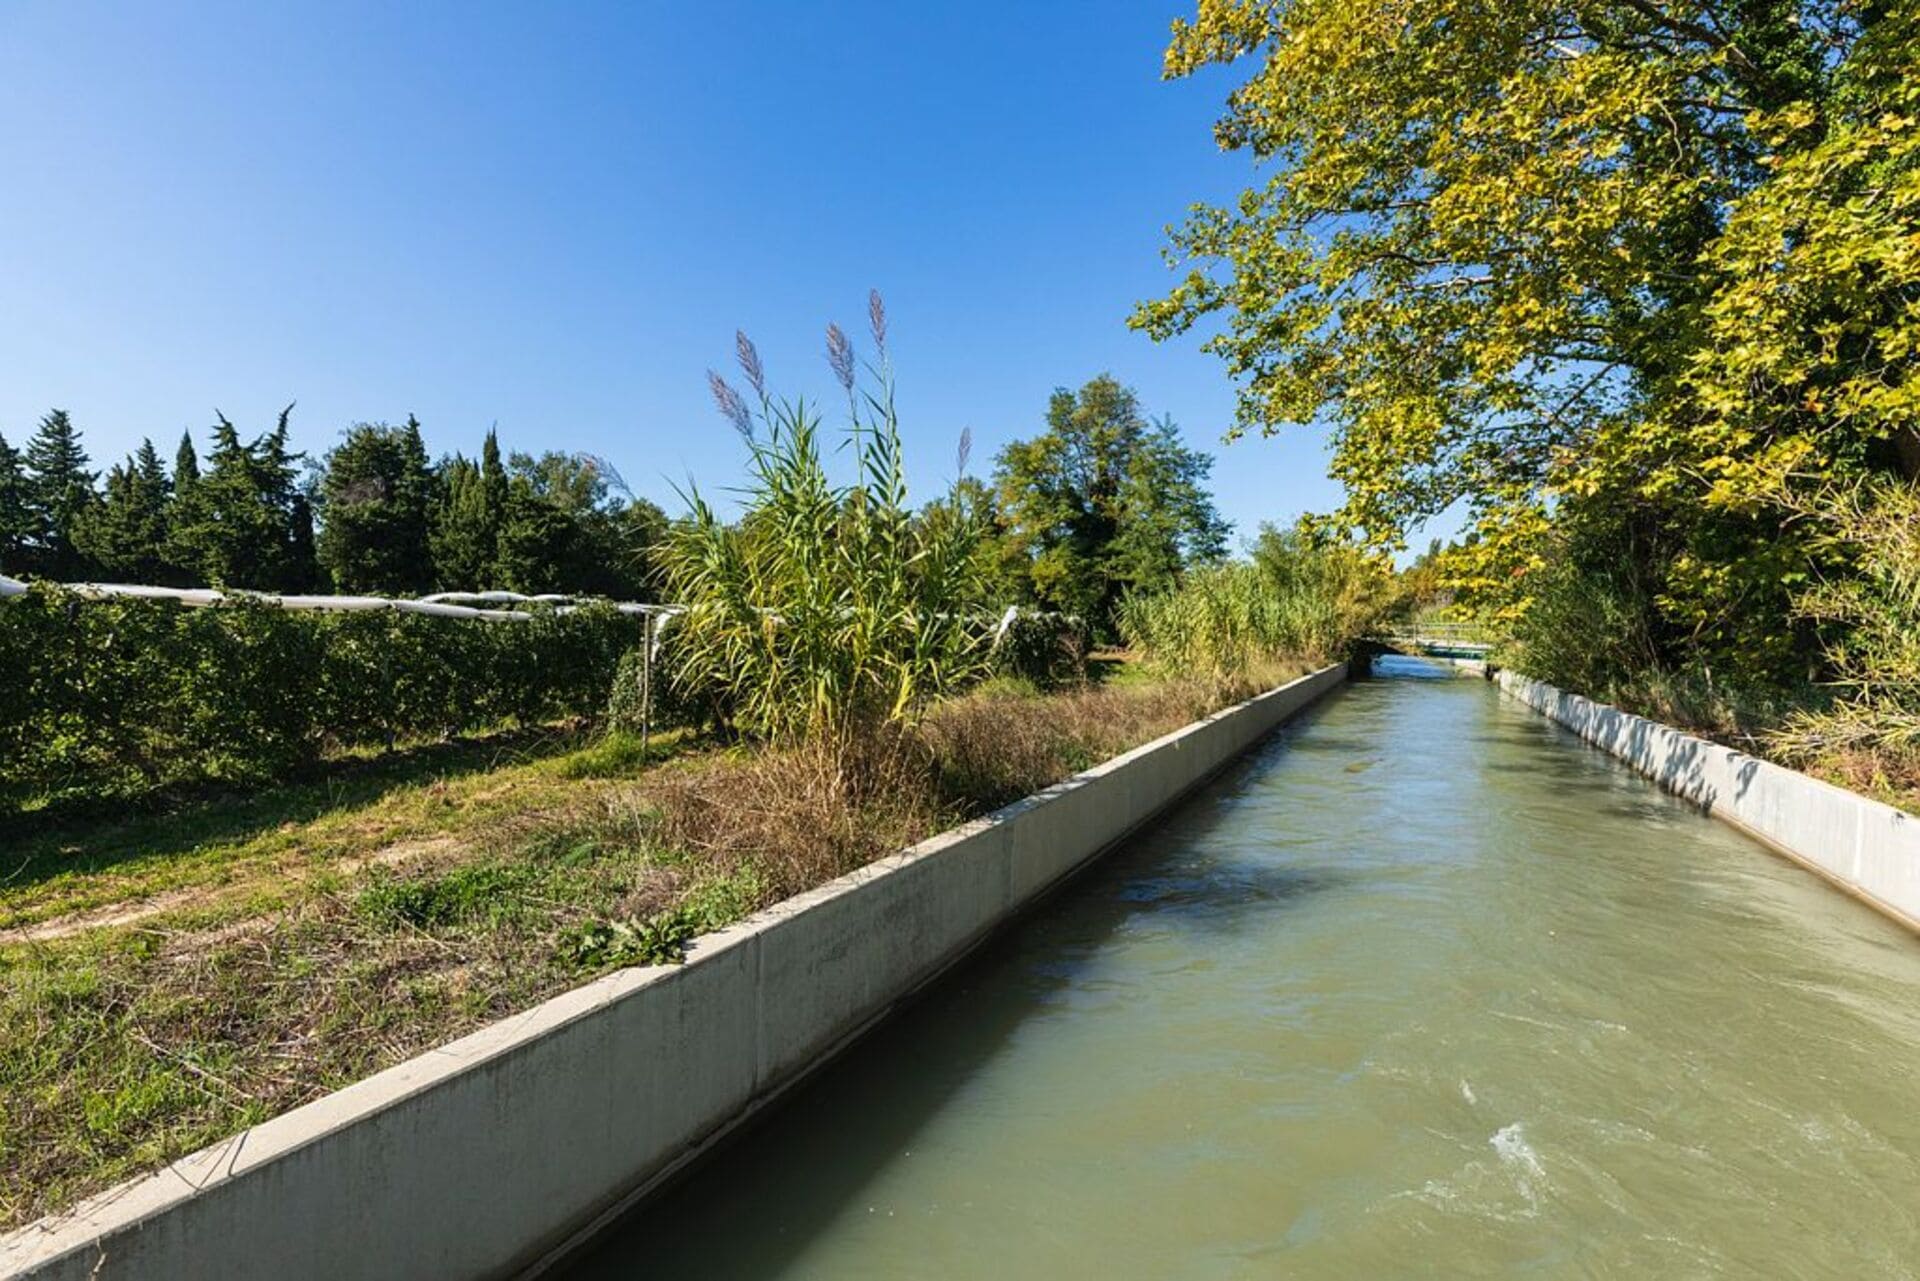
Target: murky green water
1426 988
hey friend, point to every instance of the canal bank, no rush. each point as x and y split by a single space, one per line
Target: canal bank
1421 988
481 1157
1868 849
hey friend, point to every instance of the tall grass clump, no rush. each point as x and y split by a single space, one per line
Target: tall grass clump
826 609
1328 593
1869 618
1215 624
1298 598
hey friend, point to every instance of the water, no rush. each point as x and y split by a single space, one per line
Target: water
1424 988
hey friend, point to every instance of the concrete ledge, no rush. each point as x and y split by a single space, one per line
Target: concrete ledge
485 1156
1869 849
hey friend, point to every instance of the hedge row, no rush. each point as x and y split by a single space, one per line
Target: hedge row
118 697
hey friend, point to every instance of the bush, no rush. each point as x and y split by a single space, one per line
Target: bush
112 698
1044 649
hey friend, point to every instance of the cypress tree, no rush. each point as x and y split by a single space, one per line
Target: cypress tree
537 541
186 466
464 538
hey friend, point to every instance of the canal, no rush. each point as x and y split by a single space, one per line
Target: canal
1422 987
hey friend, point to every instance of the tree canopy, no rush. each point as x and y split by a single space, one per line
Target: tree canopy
1103 502
1626 272
374 515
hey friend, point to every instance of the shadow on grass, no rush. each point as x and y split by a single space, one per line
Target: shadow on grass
95 835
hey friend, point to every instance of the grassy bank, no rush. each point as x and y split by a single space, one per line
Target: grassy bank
170 980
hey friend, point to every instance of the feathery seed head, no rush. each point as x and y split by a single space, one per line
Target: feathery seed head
731 406
840 356
749 357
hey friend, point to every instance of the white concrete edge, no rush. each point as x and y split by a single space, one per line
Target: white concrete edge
277 1200
1867 848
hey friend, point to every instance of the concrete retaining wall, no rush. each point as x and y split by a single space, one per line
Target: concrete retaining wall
483 1157
1869 849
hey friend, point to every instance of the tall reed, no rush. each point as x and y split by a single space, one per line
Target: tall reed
1298 599
826 608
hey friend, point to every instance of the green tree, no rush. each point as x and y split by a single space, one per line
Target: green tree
538 540
1619 271
1002 565
16 517
186 466
464 536
1104 502
238 524
126 535
468 510
377 494
59 497
604 540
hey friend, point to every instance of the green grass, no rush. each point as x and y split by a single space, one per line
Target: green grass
285 951
256 842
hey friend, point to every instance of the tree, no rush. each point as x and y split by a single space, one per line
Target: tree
16 518
1595 270
376 501
186 465
573 526
126 536
1003 566
59 495
537 541
1104 502
238 523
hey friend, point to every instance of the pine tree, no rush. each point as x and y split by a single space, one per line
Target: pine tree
16 518
377 497
59 494
126 534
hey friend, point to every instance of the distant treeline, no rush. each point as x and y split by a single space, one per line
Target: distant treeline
373 514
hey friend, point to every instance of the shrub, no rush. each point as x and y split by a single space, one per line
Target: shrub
112 698
1300 598
1870 619
1045 649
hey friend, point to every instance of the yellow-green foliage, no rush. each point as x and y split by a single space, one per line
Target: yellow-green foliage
1627 281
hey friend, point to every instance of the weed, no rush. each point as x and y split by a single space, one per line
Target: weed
486 892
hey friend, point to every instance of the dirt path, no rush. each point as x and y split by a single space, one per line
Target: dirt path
134 911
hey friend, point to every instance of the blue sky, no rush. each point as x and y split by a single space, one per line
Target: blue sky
554 218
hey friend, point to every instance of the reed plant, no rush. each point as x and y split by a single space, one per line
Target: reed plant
1299 598
1868 616
826 608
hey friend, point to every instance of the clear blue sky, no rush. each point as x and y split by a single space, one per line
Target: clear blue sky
555 216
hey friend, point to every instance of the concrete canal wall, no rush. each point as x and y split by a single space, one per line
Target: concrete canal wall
1869 849
484 1157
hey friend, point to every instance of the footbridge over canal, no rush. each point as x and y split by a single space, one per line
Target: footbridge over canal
1458 644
